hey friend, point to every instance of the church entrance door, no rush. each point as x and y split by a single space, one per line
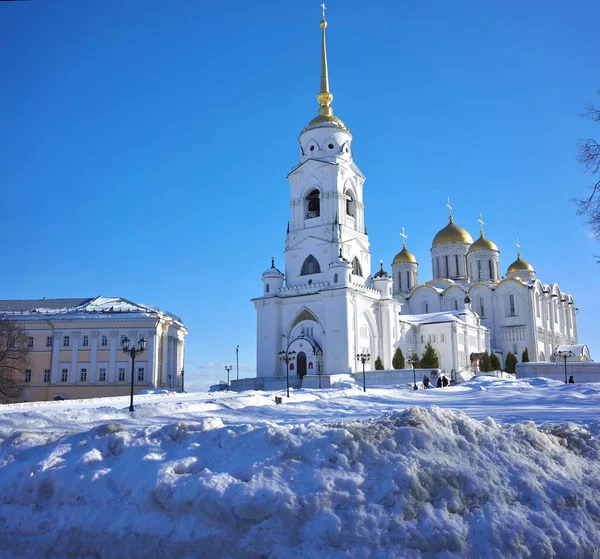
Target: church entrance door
301 361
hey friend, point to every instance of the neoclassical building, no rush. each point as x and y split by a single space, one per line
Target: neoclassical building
327 307
75 346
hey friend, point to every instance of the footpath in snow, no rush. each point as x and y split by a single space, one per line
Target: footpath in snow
331 473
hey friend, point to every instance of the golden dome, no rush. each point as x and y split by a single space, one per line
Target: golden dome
324 120
520 266
452 234
483 244
404 256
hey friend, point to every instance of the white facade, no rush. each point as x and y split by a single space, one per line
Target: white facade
327 307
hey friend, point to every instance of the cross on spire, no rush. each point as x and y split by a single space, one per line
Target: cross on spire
404 237
481 223
323 8
449 206
518 247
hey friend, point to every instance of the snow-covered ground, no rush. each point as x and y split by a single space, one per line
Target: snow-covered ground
491 468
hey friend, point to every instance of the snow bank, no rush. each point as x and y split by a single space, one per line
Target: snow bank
424 482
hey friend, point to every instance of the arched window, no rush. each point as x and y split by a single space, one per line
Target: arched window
511 302
481 308
425 307
356 269
490 266
335 278
310 266
455 304
267 288
350 204
313 204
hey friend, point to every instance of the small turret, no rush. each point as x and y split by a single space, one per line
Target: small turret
382 281
272 280
341 271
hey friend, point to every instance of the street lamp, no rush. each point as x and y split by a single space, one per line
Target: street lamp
565 354
228 369
170 383
132 352
363 358
411 362
237 362
182 380
287 356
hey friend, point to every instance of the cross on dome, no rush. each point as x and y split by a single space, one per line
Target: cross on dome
323 8
404 237
518 246
481 223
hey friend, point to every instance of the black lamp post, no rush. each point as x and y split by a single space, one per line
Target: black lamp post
170 383
412 365
565 354
132 352
237 362
228 369
182 380
287 356
363 358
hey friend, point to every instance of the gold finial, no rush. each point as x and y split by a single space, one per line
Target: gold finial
324 97
481 224
404 237
449 207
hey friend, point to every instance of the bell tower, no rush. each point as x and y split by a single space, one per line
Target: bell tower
326 198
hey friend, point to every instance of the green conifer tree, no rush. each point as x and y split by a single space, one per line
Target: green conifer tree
415 361
510 363
525 356
494 362
485 365
398 360
430 359
378 364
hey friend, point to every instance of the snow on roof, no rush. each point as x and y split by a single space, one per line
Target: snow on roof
433 317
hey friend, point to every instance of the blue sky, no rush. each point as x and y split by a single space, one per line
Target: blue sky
145 145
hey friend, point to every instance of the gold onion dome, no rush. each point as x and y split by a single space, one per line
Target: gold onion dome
452 234
325 97
404 256
483 244
520 265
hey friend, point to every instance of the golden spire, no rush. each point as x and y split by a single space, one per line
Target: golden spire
324 97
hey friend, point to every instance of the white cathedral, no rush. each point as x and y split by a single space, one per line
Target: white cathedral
328 308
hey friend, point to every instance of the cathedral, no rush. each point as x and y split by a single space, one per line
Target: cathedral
327 308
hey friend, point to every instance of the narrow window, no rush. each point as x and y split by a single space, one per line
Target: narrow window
335 278
408 280
479 271
313 204
30 341
447 268
512 305
48 341
121 374
490 266
457 270
83 375
102 374
46 375
310 266
267 288
66 341
64 375
400 280
481 308
455 304
27 375
426 307
356 268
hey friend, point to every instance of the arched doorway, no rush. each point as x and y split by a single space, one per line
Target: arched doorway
301 362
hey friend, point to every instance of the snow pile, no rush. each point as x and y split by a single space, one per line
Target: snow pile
427 482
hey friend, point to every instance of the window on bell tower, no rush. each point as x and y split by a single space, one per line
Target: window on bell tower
310 266
356 268
313 204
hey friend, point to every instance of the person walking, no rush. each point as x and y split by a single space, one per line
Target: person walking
571 380
439 382
425 381
444 381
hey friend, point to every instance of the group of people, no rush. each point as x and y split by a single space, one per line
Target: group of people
442 381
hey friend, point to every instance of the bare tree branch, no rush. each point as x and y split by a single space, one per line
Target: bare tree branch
14 359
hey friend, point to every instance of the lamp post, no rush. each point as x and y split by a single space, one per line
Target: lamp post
228 369
170 383
287 356
132 352
411 362
237 362
182 380
565 354
363 358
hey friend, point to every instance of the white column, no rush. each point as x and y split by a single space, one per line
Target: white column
165 357
113 350
55 349
150 335
74 349
93 357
